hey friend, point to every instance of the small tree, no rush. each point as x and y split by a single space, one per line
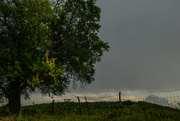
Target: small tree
45 44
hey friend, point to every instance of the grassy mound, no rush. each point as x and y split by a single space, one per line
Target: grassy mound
93 111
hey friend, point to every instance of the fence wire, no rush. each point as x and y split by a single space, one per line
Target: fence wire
170 98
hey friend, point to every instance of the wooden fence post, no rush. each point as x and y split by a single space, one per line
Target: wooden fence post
87 105
33 108
79 105
120 100
53 106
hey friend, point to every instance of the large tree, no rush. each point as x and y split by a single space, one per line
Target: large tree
45 45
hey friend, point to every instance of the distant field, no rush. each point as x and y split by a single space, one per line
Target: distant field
93 111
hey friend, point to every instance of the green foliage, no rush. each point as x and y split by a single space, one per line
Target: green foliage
47 68
45 44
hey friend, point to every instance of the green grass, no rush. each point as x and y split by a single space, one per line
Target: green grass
98 111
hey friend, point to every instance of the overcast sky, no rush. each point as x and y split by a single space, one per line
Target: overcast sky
144 39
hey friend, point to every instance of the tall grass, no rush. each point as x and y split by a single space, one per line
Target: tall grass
98 111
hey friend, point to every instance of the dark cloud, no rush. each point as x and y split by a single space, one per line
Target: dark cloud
145 45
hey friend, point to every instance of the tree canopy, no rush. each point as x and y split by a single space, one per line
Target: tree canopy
45 45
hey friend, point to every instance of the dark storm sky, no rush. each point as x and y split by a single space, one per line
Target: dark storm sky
144 39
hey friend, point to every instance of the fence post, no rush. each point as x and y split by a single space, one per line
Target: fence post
87 105
53 106
33 108
79 105
120 100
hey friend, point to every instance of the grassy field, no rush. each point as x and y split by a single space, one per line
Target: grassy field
95 111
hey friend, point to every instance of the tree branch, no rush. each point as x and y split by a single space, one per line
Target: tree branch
57 2
23 86
5 91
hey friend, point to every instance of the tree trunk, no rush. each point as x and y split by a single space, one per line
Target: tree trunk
15 102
